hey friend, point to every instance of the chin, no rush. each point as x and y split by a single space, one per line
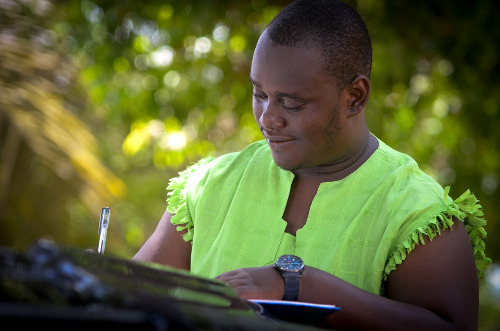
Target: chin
286 165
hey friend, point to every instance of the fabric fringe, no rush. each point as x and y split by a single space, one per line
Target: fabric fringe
176 199
468 210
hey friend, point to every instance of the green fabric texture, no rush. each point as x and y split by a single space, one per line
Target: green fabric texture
358 229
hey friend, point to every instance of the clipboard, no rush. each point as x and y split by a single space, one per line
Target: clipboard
295 311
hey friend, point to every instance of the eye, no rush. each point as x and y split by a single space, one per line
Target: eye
260 96
291 104
257 93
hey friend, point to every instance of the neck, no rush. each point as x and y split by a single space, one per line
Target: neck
362 149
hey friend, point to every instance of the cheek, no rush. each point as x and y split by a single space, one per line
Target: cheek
316 132
309 128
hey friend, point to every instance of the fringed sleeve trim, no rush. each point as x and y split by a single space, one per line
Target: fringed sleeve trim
468 210
177 202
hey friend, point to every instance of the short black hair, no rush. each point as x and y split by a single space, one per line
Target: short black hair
335 27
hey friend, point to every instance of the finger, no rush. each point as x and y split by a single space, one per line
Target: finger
233 274
236 281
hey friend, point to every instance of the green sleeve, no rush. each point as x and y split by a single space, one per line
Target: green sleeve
468 210
177 198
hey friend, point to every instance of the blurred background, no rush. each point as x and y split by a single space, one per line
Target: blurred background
102 102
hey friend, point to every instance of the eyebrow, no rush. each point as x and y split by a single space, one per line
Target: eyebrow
280 94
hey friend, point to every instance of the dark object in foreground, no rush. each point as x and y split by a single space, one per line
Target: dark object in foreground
63 287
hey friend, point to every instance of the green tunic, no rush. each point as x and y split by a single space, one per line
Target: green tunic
358 228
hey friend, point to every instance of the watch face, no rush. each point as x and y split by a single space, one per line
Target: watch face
290 263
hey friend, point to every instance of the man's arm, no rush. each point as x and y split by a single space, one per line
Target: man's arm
166 246
435 288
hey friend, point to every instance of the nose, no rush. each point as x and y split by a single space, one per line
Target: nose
271 117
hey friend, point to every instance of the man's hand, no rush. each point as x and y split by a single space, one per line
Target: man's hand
255 283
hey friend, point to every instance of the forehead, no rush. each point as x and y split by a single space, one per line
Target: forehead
287 66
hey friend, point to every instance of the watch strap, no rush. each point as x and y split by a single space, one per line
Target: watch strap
292 282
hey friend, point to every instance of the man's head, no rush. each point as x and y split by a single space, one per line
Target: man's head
310 85
332 26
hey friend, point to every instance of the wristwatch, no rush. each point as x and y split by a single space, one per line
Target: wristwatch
291 268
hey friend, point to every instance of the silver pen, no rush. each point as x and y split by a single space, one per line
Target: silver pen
103 229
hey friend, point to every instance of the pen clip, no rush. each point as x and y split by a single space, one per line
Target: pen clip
103 221
103 229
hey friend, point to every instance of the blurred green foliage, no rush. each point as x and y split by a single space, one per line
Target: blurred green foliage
102 102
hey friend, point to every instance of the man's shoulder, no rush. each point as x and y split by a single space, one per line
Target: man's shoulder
400 171
257 151
256 155
391 155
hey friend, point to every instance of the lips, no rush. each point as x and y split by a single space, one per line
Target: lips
278 142
278 139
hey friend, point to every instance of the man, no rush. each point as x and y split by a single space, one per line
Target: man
322 189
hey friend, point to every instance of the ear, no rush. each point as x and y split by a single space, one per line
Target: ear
358 92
